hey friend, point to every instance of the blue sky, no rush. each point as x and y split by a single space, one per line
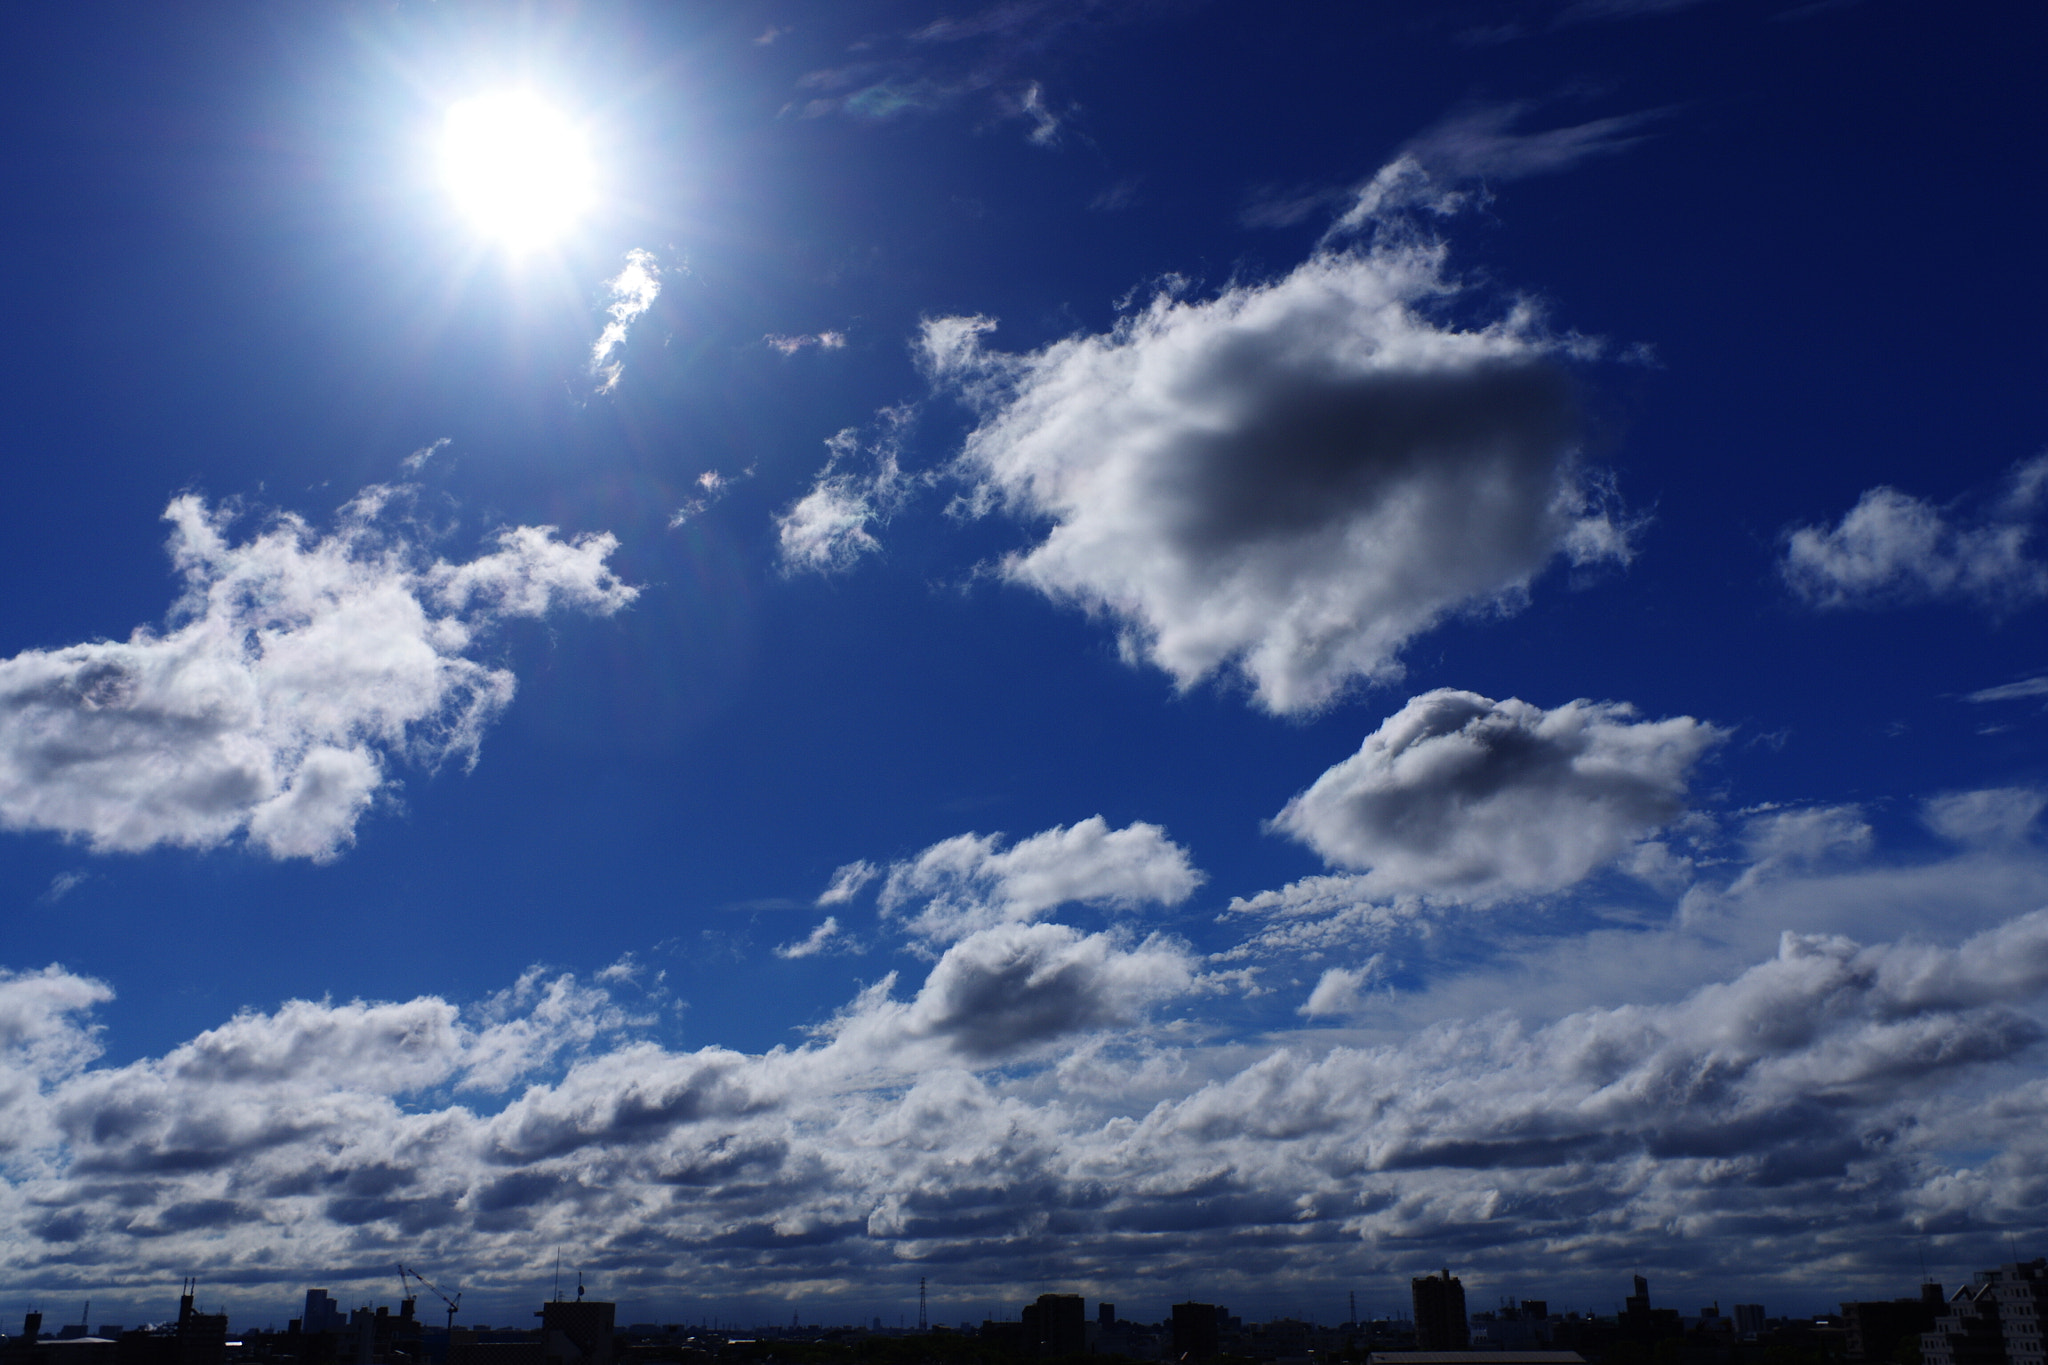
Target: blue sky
1156 650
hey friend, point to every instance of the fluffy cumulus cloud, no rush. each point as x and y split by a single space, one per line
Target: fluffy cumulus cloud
1292 478
1339 990
1892 547
295 669
1460 797
1008 989
863 484
972 881
1035 1099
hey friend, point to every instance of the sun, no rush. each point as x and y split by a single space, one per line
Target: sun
516 167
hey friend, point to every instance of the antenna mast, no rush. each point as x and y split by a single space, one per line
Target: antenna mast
920 1305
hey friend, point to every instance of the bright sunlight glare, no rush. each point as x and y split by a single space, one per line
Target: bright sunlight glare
516 167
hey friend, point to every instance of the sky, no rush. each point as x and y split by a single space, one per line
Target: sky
1162 650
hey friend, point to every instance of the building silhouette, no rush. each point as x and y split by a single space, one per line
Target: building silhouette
1195 1331
1056 1325
1440 1321
1875 1328
577 1331
322 1313
196 1338
1995 1321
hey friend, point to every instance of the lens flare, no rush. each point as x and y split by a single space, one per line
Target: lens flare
516 167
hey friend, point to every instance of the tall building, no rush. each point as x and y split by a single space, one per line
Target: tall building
1876 1328
1056 1325
577 1331
1996 1321
1968 1333
1440 1321
323 1314
202 1337
1195 1331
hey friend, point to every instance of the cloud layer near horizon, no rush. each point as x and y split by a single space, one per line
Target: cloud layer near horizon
1030 1098
295 669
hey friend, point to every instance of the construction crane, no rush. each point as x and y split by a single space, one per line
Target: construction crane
453 1303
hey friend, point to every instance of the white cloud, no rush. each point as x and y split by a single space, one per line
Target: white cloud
848 882
714 486
1476 144
826 530
1045 125
790 345
972 882
1029 1101
62 885
1293 478
1992 817
1460 797
826 938
1481 143
1316 916
1793 840
1014 987
1893 548
295 669
531 573
1340 991
633 291
2023 690
413 463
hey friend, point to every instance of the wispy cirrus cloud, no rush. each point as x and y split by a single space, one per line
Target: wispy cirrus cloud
1991 817
828 937
633 291
1437 169
789 344
712 487
62 885
295 670
1443 168
2023 690
848 882
984 57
